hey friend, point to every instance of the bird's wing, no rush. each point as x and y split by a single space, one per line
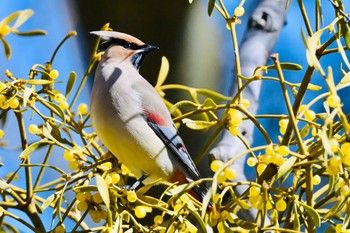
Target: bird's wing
176 145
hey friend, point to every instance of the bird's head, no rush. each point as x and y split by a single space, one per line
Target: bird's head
123 46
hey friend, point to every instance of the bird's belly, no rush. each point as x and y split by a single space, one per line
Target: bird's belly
137 148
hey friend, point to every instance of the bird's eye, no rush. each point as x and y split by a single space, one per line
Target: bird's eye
127 45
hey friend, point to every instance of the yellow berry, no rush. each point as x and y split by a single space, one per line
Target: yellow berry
266 158
131 196
2 99
107 165
104 214
236 118
68 155
115 177
88 196
33 128
234 130
59 98
83 108
158 219
283 122
140 211
333 170
281 205
2 133
310 115
125 169
73 164
316 180
95 216
60 229
335 161
334 144
53 74
13 103
230 173
215 215
215 165
283 150
64 105
270 150
261 168
346 160
221 227
97 198
277 159
2 86
283 130
239 11
4 30
82 206
345 148
252 161
221 177
333 100
246 103
254 191
80 196
5 105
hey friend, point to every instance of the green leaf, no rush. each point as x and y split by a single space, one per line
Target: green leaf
181 104
33 147
213 95
345 30
211 5
23 16
305 131
209 103
38 81
198 125
7 48
87 188
286 66
103 189
296 222
311 49
48 201
59 111
163 72
169 105
313 213
242 223
70 83
37 32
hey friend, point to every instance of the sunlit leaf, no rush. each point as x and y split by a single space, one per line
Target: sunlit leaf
23 17
345 79
286 166
242 223
48 201
8 19
342 53
38 81
313 87
163 72
345 30
70 82
198 125
103 189
312 44
209 103
5 186
26 94
86 188
33 147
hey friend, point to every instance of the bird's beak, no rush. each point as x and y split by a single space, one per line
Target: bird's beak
148 48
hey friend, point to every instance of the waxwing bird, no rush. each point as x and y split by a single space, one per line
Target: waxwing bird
131 119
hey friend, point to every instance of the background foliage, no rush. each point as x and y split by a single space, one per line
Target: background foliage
305 186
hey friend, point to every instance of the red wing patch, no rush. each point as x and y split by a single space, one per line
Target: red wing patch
155 118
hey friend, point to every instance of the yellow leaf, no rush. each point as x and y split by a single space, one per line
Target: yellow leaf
163 72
